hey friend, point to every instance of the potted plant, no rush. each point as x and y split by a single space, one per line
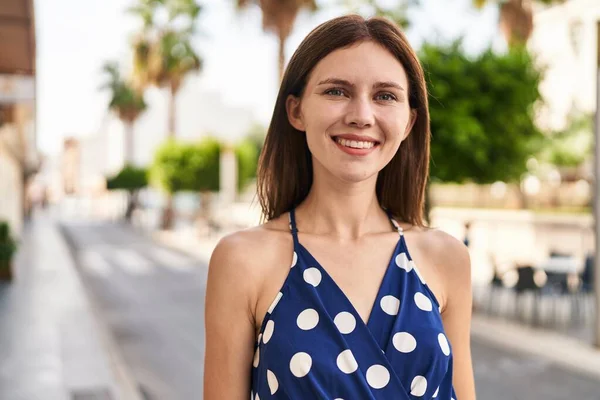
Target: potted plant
8 247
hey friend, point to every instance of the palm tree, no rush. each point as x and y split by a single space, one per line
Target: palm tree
163 56
278 17
516 18
126 102
162 52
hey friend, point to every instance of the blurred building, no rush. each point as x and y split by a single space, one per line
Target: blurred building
18 155
564 40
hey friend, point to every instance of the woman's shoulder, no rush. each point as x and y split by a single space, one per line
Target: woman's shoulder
250 248
448 254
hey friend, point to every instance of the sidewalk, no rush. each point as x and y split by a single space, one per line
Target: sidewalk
558 349
51 345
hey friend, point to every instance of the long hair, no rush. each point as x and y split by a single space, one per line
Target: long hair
285 171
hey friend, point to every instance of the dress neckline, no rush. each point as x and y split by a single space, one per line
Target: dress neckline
299 248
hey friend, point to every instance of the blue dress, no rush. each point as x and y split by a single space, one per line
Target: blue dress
314 345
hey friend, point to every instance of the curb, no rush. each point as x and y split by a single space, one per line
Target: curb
127 387
561 350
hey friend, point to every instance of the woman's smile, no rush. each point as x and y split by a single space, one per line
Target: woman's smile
355 145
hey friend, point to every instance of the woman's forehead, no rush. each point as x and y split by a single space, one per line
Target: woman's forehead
363 63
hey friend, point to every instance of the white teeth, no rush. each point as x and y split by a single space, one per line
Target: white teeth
354 143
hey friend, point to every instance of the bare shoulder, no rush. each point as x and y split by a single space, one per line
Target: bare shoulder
443 259
248 248
245 259
448 250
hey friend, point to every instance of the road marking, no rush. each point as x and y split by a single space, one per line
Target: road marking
172 260
95 263
132 262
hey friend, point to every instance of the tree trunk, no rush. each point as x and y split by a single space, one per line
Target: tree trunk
172 112
516 21
129 143
168 215
132 199
281 57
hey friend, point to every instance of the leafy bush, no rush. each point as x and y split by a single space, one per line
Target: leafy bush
187 166
8 246
246 153
129 178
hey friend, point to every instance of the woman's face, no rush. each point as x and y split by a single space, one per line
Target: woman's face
354 110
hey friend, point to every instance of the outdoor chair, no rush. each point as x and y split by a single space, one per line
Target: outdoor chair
526 284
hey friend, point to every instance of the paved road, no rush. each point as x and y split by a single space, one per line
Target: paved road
153 297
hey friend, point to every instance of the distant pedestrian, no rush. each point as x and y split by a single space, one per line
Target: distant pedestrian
310 305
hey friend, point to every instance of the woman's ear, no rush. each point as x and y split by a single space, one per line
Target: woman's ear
294 112
411 123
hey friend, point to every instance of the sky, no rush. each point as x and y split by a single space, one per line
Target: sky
236 88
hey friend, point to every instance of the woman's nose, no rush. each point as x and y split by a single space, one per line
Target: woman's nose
360 113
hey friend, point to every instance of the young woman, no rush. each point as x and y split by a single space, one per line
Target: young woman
324 300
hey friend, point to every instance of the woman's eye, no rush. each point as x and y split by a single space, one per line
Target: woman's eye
335 92
386 97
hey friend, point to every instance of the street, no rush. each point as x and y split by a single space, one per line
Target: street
153 301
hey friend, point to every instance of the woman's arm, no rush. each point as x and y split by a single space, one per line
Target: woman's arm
229 322
457 313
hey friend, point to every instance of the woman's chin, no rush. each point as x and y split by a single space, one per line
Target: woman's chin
358 176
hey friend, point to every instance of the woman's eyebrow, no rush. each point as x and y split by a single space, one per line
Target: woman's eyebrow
343 82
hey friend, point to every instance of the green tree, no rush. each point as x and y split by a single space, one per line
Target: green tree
132 179
482 111
278 17
205 167
246 153
163 54
192 167
125 102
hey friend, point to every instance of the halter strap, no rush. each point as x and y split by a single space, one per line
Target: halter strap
394 223
293 228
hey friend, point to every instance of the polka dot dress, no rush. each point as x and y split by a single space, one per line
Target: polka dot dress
314 345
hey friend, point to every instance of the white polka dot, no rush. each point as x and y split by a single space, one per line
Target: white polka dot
345 322
256 357
418 387
436 393
257 398
390 305
275 302
307 319
312 276
268 331
403 262
294 260
404 342
423 302
300 364
378 376
445 346
346 362
272 381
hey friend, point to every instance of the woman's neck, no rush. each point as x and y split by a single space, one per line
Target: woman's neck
341 209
